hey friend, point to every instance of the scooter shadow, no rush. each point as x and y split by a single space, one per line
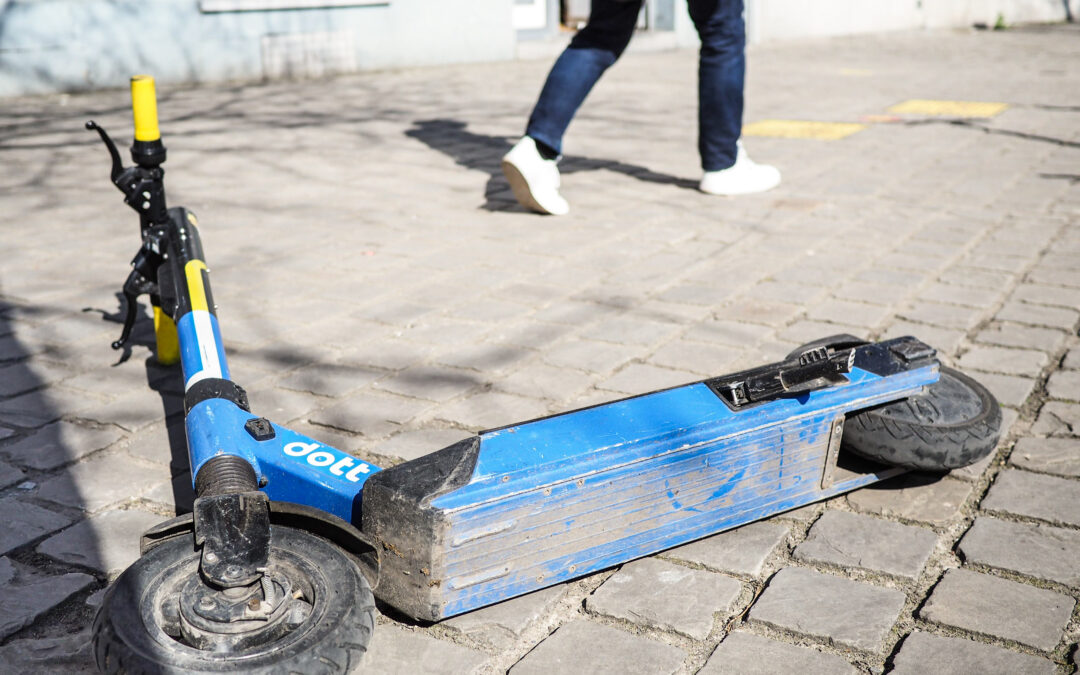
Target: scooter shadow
482 152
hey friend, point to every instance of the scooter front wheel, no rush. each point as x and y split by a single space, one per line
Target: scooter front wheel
313 612
952 423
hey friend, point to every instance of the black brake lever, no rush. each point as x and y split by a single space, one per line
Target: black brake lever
117 165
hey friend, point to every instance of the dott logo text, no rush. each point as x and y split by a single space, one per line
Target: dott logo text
336 464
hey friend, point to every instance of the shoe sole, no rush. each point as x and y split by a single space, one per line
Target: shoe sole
521 190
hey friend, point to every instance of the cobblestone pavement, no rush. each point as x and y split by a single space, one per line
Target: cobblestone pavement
379 290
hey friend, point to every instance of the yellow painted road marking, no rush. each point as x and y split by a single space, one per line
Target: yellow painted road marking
193 271
918 106
825 131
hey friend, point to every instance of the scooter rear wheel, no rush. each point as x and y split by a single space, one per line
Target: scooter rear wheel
952 423
154 618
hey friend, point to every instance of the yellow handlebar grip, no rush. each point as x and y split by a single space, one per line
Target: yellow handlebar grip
144 108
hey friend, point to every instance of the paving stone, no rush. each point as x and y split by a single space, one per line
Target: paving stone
29 596
850 313
1035 495
1007 389
1072 359
25 522
1057 418
1038 315
135 411
927 653
330 379
912 497
1000 360
591 356
431 383
372 415
490 409
107 542
743 550
70 654
864 542
969 296
946 316
585 647
10 475
703 359
539 380
628 331
1028 337
59 443
281 405
665 596
973 472
850 613
177 494
100 481
639 378
993 606
1064 384
744 653
400 652
1060 456
726 332
24 377
944 340
412 444
502 624
1039 551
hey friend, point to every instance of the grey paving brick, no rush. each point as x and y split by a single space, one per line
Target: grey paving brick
945 316
976 277
973 472
411 444
488 410
1000 360
853 540
370 414
879 294
665 596
1039 551
1035 495
330 379
968 296
700 358
281 405
177 494
100 481
743 653
759 311
743 550
993 606
69 654
928 653
59 443
431 383
851 613
849 313
1059 456
107 542
628 331
26 596
24 377
135 411
590 355
1072 359
395 651
1057 418
540 380
1009 390
1064 384
501 625
728 332
487 358
944 340
912 497
587 647
1042 294
10 475
640 378
1018 335
25 522
1038 315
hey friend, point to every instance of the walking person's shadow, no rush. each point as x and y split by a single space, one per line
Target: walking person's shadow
484 153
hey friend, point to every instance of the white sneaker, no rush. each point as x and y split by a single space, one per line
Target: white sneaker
534 180
742 178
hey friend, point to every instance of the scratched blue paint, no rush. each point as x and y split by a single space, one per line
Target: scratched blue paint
576 493
297 468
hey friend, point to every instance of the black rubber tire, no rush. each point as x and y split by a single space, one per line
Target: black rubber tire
952 423
333 639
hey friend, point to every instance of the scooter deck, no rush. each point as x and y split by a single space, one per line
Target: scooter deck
523 507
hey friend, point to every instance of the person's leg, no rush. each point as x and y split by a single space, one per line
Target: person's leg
592 51
530 165
721 76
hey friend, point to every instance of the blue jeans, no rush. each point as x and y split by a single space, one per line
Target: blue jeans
721 74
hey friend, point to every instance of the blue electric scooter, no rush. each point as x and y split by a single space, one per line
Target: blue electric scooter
274 569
